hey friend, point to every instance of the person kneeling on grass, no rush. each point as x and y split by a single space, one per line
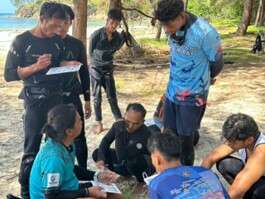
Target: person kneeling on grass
177 181
246 173
54 174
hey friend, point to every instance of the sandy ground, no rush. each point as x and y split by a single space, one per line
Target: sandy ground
240 88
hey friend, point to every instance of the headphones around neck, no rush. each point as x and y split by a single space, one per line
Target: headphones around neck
180 36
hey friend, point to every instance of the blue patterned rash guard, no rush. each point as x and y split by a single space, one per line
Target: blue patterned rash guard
186 182
189 79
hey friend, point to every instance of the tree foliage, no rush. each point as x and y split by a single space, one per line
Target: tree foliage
231 10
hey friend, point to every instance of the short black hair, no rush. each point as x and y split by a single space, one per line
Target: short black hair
168 10
69 11
51 10
115 14
239 127
168 144
60 118
137 107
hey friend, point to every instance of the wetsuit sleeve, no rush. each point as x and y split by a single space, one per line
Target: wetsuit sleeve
94 39
81 192
146 137
213 50
85 185
104 146
53 173
83 173
83 73
14 59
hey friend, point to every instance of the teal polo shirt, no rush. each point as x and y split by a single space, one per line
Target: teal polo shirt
53 169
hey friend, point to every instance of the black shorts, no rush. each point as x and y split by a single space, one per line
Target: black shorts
183 119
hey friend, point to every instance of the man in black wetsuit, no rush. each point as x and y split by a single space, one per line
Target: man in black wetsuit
75 50
130 156
104 42
31 55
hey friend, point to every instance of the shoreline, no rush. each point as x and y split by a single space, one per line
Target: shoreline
8 35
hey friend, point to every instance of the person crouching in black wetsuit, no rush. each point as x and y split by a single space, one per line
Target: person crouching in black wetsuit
75 50
130 156
31 55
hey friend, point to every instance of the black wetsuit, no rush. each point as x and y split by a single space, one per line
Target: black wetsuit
130 156
40 92
101 52
75 50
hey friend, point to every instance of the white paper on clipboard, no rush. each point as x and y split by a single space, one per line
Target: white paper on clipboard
64 69
109 188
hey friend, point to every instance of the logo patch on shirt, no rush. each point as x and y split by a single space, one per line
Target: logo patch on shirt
53 180
139 146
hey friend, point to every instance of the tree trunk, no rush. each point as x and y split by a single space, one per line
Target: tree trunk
135 49
80 22
186 4
159 31
260 13
115 4
243 26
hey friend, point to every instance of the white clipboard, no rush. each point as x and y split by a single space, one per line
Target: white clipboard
64 69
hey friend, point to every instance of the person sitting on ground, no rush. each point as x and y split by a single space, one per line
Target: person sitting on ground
177 181
130 156
246 173
53 173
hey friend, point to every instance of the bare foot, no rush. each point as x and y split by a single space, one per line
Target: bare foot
99 128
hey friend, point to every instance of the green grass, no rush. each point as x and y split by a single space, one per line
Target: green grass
236 48
224 22
128 193
154 44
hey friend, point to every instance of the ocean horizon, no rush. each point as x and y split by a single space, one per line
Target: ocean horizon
9 21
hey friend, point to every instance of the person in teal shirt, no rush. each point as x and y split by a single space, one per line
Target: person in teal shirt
53 171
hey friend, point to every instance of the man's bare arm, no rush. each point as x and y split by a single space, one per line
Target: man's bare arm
252 172
42 63
218 153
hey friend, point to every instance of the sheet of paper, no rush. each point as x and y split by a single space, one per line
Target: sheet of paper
148 179
63 69
109 188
